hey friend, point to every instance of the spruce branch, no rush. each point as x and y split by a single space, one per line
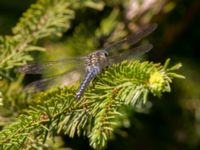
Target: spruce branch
44 18
98 114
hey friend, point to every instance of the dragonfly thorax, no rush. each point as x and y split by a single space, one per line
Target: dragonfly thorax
97 59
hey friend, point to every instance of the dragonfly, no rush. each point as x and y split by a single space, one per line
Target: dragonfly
92 64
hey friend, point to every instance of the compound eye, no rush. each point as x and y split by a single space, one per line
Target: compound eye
106 54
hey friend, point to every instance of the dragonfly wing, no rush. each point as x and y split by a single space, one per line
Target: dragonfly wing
48 66
132 39
131 53
65 79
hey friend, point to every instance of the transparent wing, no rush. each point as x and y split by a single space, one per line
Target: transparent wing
131 53
67 78
133 39
49 66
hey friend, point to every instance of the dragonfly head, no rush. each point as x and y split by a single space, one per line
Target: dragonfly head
102 56
105 53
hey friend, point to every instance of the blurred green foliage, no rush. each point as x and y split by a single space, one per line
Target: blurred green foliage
171 123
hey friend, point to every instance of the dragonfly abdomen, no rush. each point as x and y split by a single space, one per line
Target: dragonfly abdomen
88 77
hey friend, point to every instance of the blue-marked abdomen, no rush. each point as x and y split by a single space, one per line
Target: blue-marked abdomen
88 77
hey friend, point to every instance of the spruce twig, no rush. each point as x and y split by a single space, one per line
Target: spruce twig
43 19
97 115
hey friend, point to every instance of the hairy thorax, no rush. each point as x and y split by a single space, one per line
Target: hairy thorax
98 60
